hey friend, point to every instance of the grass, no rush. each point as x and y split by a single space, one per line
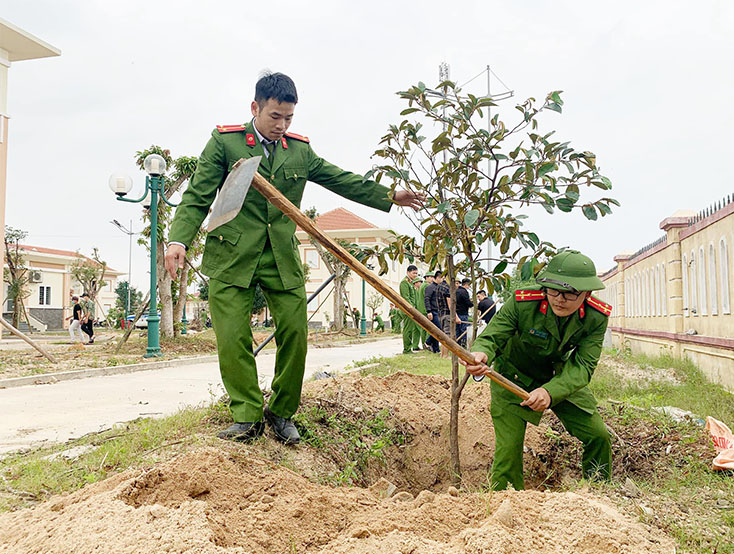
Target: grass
694 393
353 440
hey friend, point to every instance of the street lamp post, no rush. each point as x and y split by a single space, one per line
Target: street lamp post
129 232
363 322
155 167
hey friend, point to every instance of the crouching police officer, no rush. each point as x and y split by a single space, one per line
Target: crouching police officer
548 340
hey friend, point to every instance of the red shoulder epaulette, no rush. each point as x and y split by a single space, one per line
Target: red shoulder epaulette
230 128
600 306
523 295
297 137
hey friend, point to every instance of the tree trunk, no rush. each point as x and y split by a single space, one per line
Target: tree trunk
165 298
339 295
456 389
178 308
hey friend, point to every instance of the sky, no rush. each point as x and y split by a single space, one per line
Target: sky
648 87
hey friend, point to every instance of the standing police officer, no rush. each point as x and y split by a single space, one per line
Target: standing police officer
553 354
258 247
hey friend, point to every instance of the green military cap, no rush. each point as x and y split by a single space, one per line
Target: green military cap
570 270
418 279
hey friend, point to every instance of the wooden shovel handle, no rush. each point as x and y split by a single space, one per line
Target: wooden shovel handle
275 197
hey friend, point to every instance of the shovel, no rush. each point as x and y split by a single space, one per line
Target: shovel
244 174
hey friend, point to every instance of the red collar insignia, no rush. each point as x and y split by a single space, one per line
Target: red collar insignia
284 143
250 139
582 311
544 307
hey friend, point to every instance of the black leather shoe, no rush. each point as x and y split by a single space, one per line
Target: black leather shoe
283 428
242 432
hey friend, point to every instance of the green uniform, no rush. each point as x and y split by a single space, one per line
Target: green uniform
395 320
420 304
259 247
380 323
534 348
411 337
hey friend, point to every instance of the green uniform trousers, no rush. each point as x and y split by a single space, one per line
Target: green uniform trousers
411 336
230 309
509 433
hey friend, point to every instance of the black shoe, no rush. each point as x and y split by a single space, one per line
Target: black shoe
283 428
242 432
416 350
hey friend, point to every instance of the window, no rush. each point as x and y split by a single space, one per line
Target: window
692 282
312 258
685 285
701 266
713 297
724 264
44 296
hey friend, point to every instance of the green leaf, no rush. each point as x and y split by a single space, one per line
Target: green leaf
572 195
604 209
607 182
532 237
555 107
471 217
443 207
590 212
500 267
556 97
565 204
526 271
407 111
421 86
546 168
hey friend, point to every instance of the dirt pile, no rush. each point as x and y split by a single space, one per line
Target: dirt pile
210 501
420 406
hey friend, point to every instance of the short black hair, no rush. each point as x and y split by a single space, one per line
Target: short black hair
412 268
85 294
275 85
438 274
465 281
482 292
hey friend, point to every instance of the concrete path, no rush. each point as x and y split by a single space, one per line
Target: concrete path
35 415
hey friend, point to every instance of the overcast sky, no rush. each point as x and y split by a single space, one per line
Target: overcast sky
648 86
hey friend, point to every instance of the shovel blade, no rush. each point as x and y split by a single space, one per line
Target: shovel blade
232 194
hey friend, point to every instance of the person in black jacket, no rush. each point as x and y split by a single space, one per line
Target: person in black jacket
463 303
437 308
485 303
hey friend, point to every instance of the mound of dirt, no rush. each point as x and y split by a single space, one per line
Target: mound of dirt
421 406
210 501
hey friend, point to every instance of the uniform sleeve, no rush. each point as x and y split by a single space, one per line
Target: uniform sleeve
405 292
211 171
495 336
577 371
347 184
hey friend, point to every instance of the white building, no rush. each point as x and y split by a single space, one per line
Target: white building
341 224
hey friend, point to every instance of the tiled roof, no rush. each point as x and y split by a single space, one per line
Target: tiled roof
68 253
341 219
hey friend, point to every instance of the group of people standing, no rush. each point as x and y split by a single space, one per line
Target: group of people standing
432 298
82 319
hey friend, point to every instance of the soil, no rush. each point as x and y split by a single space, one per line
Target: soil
239 499
212 501
635 374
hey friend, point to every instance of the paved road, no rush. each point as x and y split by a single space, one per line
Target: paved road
38 414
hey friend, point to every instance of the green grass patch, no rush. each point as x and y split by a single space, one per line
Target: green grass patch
692 392
420 363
